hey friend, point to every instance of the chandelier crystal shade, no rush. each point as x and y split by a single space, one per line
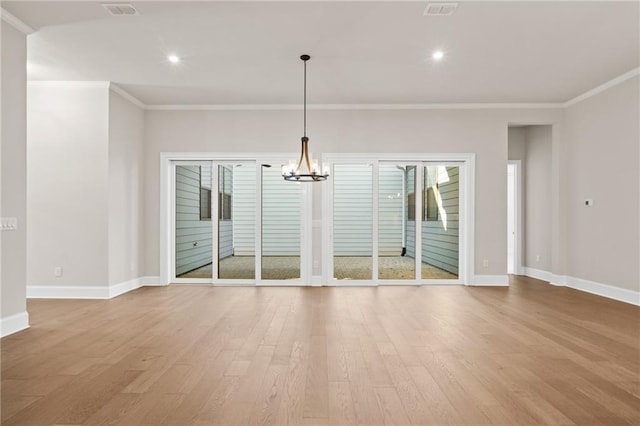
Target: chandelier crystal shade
305 169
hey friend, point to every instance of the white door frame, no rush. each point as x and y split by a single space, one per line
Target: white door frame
168 161
517 216
466 162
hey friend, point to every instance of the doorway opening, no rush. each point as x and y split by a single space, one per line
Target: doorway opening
514 254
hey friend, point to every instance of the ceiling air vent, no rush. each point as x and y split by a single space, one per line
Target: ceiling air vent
440 9
121 9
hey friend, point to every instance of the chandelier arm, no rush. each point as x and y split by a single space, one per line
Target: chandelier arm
305 150
298 169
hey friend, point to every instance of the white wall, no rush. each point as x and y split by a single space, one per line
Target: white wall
603 140
68 194
13 179
537 198
126 189
517 149
481 131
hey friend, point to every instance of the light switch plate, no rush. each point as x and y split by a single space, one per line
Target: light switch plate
9 223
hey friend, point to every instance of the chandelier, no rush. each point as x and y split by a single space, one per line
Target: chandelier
305 169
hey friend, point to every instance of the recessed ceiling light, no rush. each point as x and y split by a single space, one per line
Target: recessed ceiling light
174 59
438 55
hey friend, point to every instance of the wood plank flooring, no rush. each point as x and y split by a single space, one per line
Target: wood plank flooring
195 355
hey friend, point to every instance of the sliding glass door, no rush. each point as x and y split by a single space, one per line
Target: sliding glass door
384 221
237 222
281 229
236 219
441 221
193 224
352 221
395 222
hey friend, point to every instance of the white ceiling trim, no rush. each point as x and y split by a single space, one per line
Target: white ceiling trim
83 84
16 22
337 107
609 84
120 91
296 107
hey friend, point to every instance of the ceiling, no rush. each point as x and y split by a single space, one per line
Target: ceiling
361 52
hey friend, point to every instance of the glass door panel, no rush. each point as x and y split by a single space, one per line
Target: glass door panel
352 221
396 222
440 222
281 211
193 227
236 221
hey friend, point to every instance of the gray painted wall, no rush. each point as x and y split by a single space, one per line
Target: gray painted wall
68 185
126 189
603 241
537 200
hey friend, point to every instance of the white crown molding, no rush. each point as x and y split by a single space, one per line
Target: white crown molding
14 323
60 83
338 107
128 96
16 22
609 84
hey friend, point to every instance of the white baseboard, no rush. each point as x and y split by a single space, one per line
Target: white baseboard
14 323
67 292
86 292
604 290
558 280
123 287
151 281
599 289
490 280
538 274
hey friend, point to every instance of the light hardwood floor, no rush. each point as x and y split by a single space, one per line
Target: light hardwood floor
196 355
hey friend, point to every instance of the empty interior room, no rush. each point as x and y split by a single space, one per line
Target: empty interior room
320 213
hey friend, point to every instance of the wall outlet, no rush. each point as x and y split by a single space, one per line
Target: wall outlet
537 258
9 224
57 271
485 263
